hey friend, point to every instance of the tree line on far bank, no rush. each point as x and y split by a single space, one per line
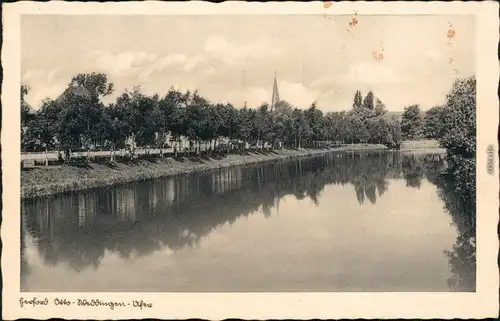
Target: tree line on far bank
80 120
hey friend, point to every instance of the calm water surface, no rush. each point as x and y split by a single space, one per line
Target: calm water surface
340 222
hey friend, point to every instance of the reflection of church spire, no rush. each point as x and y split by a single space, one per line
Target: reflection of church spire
276 96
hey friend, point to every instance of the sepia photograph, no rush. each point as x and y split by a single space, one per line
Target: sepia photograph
249 153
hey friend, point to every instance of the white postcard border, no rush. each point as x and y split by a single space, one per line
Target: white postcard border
483 303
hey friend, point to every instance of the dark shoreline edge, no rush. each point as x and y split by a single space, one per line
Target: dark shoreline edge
167 167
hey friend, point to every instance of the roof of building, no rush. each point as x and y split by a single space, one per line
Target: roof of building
75 91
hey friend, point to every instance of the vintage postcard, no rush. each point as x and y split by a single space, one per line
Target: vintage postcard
250 160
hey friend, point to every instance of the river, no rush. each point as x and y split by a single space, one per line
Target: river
365 221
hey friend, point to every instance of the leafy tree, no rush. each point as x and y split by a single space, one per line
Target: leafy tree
49 122
302 128
75 122
411 122
28 136
117 126
281 119
24 91
140 124
459 134
380 108
177 119
161 114
332 124
263 124
26 115
243 123
378 130
96 83
458 185
357 131
396 134
433 122
368 101
343 127
230 120
195 118
358 99
82 121
315 118
146 125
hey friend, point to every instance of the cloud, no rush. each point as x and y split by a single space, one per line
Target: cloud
232 53
43 84
33 74
160 64
209 71
52 75
323 83
373 72
171 60
42 91
363 74
433 55
122 64
139 64
297 94
253 96
192 63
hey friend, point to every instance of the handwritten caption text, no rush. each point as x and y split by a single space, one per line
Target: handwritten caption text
86 303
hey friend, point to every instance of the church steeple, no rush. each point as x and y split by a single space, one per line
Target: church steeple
276 97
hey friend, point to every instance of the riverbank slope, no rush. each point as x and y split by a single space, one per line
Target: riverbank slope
50 180
43 181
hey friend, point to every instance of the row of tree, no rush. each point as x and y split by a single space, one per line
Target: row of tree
80 120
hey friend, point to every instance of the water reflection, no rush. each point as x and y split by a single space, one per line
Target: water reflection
135 220
462 256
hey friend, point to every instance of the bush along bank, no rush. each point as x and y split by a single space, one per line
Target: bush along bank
50 180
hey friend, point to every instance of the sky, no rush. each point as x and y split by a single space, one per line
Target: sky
233 58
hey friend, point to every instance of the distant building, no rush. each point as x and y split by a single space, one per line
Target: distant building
78 91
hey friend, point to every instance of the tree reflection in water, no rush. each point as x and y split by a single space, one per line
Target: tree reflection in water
140 218
462 256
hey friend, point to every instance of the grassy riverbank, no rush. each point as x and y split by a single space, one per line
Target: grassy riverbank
42 181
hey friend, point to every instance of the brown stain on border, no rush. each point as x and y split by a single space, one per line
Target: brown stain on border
451 33
378 54
327 4
353 21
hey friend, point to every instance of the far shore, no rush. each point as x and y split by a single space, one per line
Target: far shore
51 180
